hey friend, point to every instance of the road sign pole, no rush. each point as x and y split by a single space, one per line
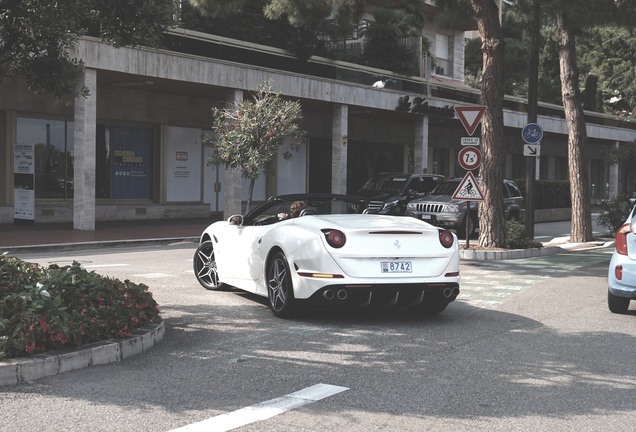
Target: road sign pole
467 226
533 87
530 169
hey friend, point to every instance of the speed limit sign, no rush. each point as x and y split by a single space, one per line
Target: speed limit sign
469 158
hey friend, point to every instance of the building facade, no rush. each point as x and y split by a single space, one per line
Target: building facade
135 148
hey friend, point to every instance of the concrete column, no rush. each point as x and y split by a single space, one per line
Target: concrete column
339 140
232 181
85 155
614 179
420 146
551 168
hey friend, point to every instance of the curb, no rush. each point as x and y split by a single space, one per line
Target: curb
547 249
470 254
27 369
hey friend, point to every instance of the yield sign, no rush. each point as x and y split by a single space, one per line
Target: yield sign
468 190
470 116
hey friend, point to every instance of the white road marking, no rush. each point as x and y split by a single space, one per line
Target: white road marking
263 410
152 275
105 265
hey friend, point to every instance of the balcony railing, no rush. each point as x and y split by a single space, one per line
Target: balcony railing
226 49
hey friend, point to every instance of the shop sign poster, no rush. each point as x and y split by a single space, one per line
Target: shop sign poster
24 183
131 162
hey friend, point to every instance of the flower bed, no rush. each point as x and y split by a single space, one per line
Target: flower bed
48 309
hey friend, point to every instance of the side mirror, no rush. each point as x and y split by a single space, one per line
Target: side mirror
235 220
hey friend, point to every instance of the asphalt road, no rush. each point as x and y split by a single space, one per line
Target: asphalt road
528 345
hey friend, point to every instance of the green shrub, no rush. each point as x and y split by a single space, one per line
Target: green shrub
48 309
516 237
614 211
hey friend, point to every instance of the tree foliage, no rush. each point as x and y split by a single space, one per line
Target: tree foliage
250 135
298 25
383 48
247 23
572 18
294 25
609 52
313 13
605 56
36 35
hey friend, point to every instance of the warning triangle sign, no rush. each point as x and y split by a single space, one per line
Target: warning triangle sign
470 116
468 189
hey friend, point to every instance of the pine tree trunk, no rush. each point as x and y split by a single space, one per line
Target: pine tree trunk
491 210
581 230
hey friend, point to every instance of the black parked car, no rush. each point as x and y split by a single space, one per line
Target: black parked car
440 209
389 193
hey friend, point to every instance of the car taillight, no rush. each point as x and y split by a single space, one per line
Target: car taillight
621 238
335 238
618 272
446 238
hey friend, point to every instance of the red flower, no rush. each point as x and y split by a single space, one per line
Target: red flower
269 134
43 323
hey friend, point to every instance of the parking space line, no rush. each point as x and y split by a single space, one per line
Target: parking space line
263 410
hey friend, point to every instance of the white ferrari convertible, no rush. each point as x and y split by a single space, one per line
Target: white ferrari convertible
322 250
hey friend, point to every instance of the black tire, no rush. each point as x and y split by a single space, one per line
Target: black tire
616 304
280 291
204 266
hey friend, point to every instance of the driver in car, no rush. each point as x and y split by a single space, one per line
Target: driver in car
294 210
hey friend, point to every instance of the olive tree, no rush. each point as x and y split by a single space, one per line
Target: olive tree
250 134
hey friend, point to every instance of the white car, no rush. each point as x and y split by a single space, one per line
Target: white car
621 276
333 255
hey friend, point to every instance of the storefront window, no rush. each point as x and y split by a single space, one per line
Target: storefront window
123 162
53 144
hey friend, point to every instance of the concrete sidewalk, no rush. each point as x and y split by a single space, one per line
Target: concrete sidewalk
61 236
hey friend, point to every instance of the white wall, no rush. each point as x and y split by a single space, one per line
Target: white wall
182 155
291 175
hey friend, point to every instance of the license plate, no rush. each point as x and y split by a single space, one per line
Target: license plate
426 217
396 267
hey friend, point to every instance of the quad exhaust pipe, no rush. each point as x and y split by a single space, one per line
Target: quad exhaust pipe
451 292
330 294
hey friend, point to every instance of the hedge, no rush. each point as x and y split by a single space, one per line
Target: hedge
548 193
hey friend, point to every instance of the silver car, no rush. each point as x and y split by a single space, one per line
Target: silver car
440 209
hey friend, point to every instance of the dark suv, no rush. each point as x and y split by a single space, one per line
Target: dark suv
388 193
439 208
